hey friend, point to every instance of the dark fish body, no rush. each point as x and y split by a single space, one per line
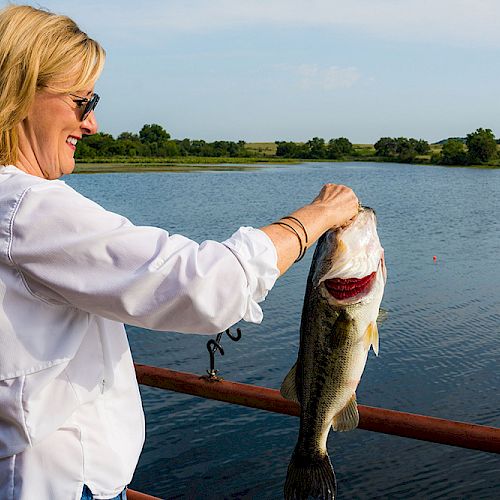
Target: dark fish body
338 326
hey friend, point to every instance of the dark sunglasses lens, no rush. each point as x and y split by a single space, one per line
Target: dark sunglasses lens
90 106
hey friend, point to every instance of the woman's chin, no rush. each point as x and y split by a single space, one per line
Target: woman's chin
66 168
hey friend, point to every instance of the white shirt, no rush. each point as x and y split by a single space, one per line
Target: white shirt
71 273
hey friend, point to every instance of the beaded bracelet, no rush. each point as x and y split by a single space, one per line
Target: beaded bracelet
302 250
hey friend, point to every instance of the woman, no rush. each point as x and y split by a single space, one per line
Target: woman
71 273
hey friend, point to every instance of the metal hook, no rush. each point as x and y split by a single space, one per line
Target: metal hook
215 345
234 337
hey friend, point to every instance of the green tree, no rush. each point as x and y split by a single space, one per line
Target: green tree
84 151
128 136
401 148
453 153
154 133
168 149
421 147
386 147
316 148
99 144
405 149
155 141
481 146
286 149
129 144
337 148
197 147
184 146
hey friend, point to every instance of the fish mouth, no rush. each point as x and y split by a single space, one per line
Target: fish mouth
342 289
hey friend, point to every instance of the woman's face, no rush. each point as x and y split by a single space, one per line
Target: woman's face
49 133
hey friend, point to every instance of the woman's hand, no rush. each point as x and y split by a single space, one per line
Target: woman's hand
334 206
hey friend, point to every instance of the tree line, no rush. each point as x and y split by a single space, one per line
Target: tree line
316 149
387 148
401 149
477 148
154 141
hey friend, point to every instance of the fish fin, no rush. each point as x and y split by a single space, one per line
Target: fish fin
371 337
310 477
375 339
348 418
289 388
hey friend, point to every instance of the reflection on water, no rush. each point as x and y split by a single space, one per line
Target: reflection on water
439 346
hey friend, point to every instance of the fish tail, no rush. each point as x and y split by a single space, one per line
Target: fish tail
310 478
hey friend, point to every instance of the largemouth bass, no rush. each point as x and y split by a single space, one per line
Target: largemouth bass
341 304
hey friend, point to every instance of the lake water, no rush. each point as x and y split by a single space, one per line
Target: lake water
439 346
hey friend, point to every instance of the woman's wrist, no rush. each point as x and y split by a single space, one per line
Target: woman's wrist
289 221
333 207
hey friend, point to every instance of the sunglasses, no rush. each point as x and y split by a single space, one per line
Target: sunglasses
89 104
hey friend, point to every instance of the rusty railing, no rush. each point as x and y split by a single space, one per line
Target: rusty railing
410 425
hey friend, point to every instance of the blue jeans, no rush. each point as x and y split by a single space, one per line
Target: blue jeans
87 494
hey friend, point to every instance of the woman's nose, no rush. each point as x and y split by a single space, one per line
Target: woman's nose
89 125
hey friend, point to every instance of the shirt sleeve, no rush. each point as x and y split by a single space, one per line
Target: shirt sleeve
71 251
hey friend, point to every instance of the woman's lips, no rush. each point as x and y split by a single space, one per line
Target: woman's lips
342 289
71 141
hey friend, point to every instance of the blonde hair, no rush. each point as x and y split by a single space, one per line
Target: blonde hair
39 49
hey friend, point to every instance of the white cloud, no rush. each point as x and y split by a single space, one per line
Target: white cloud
311 76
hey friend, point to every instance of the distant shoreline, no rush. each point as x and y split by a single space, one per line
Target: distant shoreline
183 164
153 150
193 164
110 168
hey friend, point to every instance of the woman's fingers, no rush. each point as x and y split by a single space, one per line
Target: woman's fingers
338 204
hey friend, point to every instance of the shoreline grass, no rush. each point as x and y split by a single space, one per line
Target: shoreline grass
182 160
265 155
109 168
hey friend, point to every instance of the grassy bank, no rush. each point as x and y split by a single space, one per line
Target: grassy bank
265 153
184 160
110 168
180 164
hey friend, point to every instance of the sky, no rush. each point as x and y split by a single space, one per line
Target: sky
266 70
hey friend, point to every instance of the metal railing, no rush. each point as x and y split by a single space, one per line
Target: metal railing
398 423
136 495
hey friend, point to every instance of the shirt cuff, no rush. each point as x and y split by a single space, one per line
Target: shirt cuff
257 255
